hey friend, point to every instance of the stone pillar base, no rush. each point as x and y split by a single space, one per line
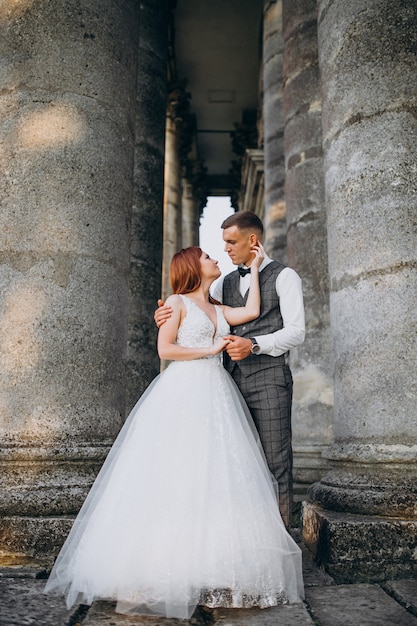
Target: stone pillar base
360 548
41 491
309 466
32 541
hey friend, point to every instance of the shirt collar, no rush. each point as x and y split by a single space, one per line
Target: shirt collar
264 263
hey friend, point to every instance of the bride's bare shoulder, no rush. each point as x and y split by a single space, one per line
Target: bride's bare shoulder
175 301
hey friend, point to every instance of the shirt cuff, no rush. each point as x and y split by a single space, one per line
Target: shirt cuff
267 346
264 344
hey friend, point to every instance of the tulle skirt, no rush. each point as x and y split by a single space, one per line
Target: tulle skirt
184 510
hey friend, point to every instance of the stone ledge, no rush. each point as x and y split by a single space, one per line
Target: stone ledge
32 541
359 548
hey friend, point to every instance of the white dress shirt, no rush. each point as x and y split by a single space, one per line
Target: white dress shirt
289 291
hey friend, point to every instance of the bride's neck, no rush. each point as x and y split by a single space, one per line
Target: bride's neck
202 293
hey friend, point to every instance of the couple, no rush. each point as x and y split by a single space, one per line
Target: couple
184 510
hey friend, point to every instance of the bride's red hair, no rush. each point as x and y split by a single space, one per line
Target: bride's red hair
185 270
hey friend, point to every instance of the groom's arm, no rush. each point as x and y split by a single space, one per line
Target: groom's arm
289 291
292 334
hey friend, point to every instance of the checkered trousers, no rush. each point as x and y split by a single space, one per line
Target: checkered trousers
268 394
266 382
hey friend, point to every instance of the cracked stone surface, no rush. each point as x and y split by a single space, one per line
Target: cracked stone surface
353 605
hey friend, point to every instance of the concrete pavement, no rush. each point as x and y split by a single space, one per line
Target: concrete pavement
393 603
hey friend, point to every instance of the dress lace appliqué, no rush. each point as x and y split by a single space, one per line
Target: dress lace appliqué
197 329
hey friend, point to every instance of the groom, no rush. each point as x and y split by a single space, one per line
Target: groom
257 354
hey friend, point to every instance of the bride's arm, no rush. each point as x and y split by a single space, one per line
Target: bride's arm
252 309
167 336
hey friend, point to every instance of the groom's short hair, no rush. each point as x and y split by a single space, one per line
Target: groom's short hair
245 220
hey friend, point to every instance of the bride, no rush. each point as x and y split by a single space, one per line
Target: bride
184 510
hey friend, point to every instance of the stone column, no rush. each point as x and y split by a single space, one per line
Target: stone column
273 125
311 363
194 197
367 56
191 178
68 79
190 215
252 191
172 189
147 211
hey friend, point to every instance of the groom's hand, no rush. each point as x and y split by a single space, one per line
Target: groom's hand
238 348
162 313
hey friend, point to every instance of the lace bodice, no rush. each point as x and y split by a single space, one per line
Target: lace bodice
197 329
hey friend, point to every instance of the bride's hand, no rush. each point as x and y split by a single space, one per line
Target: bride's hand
259 253
219 345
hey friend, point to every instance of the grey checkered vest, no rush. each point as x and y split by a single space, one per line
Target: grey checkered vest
269 321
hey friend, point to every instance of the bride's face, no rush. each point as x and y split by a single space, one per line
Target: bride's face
209 267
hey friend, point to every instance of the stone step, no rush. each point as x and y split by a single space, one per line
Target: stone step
22 601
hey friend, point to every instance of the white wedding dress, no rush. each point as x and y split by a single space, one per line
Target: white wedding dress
183 511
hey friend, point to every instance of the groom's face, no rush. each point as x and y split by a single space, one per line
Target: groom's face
238 244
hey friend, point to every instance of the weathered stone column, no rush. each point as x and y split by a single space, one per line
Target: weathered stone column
147 211
67 107
192 175
190 215
273 125
252 191
194 196
311 363
367 56
172 188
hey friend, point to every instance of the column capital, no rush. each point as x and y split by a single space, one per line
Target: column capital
178 101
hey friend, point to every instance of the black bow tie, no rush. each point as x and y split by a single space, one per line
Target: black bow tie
243 271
